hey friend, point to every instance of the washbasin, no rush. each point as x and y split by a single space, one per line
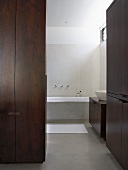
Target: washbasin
101 94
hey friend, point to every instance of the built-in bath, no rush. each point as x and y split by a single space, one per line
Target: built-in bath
67 109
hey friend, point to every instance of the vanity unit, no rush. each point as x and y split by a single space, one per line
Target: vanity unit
97 116
22 81
117 81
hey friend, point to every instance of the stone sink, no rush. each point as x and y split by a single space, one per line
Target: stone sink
101 94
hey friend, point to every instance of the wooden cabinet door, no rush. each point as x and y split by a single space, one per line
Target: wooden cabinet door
114 127
91 111
97 118
30 81
125 136
125 49
95 115
114 48
7 60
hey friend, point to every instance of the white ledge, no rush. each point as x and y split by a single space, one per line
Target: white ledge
67 99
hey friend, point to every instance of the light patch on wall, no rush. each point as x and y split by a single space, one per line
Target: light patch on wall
72 35
75 65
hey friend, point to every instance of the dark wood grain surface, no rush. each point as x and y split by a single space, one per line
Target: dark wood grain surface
30 80
7 57
117 61
114 48
125 49
22 81
125 136
114 127
97 116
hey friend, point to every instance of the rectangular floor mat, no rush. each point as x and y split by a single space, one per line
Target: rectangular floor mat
66 128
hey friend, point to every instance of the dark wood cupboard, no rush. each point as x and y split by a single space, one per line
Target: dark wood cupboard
114 126
125 136
125 48
7 54
117 129
114 47
22 81
117 26
97 116
117 81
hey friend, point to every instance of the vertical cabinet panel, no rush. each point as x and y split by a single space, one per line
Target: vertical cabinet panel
22 81
114 126
114 48
97 116
125 136
125 49
30 81
7 57
91 111
94 115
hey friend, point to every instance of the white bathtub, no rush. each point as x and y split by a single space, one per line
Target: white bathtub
67 109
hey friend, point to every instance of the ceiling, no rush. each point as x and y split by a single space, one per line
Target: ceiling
75 13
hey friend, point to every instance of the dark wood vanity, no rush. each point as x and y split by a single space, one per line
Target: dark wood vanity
97 116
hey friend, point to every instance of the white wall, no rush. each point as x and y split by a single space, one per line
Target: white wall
103 64
103 56
73 58
75 66
73 35
73 53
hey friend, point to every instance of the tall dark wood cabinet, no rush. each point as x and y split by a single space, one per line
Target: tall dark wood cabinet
114 48
22 81
117 81
7 67
125 48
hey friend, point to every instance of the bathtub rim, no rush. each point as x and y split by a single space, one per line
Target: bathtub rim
67 99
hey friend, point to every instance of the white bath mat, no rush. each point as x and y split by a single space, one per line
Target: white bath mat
66 128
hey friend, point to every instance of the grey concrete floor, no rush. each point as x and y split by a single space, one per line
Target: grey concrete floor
73 152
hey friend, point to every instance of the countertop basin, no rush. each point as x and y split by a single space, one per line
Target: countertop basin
101 94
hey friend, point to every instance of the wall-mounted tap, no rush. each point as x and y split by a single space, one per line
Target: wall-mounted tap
67 86
55 86
61 85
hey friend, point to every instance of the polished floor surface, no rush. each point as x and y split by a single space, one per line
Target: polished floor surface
73 152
